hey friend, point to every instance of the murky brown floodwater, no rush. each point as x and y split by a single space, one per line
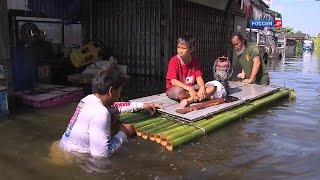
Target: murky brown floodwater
277 142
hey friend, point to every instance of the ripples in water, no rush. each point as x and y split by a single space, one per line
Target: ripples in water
276 142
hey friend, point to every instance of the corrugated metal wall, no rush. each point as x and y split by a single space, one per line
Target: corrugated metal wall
67 10
210 27
142 33
131 29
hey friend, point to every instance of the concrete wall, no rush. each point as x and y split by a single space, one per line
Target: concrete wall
17 4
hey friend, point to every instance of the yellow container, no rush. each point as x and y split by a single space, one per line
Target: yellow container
87 54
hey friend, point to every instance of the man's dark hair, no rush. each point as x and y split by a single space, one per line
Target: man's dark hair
186 39
110 77
240 36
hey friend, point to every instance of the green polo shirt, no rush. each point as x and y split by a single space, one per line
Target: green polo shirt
246 61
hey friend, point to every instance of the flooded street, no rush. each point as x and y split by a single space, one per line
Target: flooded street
278 142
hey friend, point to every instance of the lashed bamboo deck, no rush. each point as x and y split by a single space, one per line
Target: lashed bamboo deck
245 93
172 130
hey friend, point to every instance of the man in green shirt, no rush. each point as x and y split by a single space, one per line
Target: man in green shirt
254 70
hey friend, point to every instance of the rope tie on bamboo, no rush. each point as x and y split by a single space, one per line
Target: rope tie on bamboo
191 124
198 127
182 121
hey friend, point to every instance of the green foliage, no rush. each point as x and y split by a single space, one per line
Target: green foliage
316 42
285 30
298 47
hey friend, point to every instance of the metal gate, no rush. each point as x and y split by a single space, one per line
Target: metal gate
131 31
142 33
209 26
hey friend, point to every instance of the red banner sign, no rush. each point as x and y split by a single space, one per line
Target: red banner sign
278 23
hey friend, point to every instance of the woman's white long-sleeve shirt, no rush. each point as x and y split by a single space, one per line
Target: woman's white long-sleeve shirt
89 129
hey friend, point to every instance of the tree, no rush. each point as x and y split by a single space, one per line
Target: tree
298 50
285 30
316 43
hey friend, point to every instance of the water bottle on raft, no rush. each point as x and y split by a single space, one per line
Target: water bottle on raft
222 71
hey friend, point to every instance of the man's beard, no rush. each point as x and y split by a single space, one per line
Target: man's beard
240 51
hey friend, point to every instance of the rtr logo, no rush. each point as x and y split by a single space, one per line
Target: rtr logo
278 23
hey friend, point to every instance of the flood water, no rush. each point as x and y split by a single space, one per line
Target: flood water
280 141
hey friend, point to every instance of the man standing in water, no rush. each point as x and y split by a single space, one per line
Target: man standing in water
254 70
89 129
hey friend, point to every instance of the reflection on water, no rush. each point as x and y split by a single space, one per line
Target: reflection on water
277 142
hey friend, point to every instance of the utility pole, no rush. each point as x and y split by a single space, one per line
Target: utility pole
5 50
284 48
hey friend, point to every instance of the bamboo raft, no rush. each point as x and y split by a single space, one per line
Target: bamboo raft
171 131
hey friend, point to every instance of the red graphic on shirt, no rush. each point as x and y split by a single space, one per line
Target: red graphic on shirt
121 104
74 118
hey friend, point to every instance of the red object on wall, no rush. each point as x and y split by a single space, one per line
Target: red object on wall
278 23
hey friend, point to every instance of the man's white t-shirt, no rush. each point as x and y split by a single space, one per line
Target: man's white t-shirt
89 129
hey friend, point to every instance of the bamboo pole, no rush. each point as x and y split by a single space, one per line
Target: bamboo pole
137 119
152 136
128 115
182 125
146 122
235 114
152 125
145 134
160 136
139 130
163 138
165 133
171 143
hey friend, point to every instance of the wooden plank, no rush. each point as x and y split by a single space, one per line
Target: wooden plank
249 92
158 98
245 93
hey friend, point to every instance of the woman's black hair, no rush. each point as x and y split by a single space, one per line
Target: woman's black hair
110 77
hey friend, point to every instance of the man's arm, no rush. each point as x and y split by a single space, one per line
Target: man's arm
121 107
241 75
255 69
200 81
101 143
202 91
